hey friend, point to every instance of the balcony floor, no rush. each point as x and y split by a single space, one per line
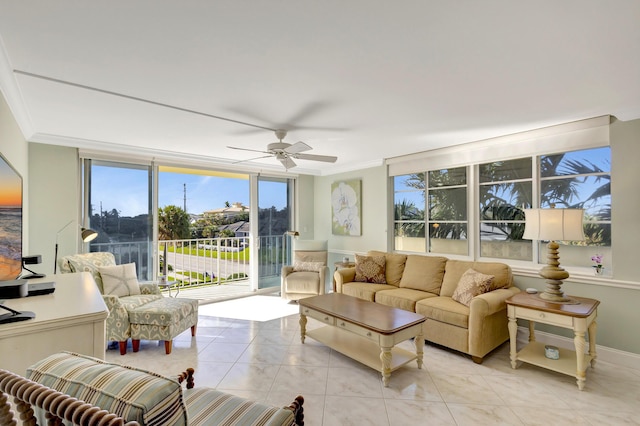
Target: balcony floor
217 293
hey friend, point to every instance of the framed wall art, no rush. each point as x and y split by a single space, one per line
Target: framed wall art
346 207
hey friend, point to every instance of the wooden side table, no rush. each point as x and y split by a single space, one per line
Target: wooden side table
577 317
341 265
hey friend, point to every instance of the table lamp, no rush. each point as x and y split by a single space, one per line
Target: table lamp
554 225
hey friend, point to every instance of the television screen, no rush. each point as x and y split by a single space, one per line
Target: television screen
10 221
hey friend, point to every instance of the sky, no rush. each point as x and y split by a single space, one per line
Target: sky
202 192
10 186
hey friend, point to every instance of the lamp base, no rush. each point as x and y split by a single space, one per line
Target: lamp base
553 275
554 294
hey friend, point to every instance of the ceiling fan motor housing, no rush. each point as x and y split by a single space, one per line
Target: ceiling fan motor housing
278 147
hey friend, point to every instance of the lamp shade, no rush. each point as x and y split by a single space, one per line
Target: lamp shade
88 234
554 224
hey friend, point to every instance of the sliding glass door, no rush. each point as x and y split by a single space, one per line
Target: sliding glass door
118 205
275 201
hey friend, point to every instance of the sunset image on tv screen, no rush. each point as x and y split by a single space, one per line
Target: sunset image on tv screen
10 222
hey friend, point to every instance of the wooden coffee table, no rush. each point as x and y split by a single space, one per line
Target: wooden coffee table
364 331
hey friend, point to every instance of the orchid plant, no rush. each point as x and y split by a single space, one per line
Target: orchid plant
597 259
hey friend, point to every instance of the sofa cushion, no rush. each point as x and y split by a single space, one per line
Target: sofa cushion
444 309
455 268
88 262
365 291
423 273
212 407
301 266
370 269
134 394
394 266
471 284
402 298
120 280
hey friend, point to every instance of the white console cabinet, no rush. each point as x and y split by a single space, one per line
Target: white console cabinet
72 318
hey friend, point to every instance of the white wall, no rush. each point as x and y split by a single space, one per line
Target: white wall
305 207
374 213
55 201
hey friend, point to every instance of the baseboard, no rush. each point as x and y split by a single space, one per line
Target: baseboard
614 356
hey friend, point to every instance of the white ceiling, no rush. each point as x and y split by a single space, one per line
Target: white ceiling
363 80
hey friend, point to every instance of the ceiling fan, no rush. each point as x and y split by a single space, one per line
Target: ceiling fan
286 152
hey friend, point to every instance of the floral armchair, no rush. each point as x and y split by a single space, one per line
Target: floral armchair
119 301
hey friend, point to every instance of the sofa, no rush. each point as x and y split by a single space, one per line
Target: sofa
136 310
88 391
463 301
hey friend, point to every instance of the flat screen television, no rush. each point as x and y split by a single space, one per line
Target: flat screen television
10 221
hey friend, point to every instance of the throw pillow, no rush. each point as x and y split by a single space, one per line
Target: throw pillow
471 284
370 269
120 280
300 266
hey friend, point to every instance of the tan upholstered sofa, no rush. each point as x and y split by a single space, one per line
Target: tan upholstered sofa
426 285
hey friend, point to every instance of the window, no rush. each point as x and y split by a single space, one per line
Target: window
409 205
582 180
573 179
504 188
118 201
446 204
448 211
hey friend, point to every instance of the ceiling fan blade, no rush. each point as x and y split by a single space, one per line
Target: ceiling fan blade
297 147
313 157
287 162
251 159
247 149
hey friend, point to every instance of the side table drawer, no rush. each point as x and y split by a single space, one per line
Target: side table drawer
327 319
356 329
544 317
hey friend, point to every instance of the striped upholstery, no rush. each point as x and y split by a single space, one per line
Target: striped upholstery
133 394
212 407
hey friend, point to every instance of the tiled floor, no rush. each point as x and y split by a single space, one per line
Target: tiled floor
266 361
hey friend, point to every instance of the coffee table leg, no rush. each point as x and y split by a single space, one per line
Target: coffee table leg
385 357
303 326
419 342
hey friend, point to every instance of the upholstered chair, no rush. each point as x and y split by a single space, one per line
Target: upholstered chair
307 276
118 326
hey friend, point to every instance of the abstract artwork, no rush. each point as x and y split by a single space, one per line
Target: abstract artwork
346 207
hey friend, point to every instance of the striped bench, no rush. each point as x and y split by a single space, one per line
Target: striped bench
151 399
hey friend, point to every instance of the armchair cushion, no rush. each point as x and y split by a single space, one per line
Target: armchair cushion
213 407
131 393
88 262
120 280
301 266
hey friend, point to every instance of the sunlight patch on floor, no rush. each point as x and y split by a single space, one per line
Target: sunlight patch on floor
253 308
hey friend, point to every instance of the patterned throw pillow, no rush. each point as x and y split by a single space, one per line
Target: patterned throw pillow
471 284
299 266
120 280
370 269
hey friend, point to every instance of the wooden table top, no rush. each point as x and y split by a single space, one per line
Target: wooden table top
533 301
372 316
